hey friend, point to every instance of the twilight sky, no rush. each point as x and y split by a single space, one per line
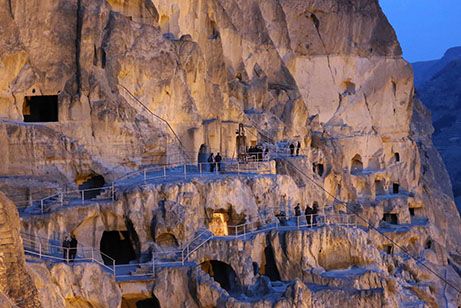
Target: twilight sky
425 28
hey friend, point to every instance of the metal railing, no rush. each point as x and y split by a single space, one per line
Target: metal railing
286 222
43 249
171 171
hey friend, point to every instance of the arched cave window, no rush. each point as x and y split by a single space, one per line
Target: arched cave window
379 187
390 218
214 33
412 211
91 183
428 244
388 249
118 246
395 188
222 273
40 108
356 164
270 266
396 157
318 168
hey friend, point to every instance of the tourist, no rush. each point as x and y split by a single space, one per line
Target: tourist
218 160
297 210
73 247
292 149
308 214
65 248
282 217
298 148
211 162
315 211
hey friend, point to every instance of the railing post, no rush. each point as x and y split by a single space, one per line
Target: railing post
238 168
40 250
297 221
83 196
145 176
153 265
164 171
113 267
185 171
182 256
41 205
244 231
200 168
113 191
61 198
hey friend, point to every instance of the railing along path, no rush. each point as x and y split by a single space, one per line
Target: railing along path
42 248
165 172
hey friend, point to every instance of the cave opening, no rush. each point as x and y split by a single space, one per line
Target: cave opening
396 157
318 168
118 246
379 187
391 218
148 303
91 184
38 109
356 164
412 211
388 249
270 267
223 274
395 188
428 244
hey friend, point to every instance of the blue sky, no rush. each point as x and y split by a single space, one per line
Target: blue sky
425 28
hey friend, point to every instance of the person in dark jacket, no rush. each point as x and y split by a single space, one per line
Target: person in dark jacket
315 211
218 159
292 149
211 162
298 147
297 210
73 247
66 248
308 213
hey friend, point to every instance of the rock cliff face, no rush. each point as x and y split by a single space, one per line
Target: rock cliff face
98 88
16 286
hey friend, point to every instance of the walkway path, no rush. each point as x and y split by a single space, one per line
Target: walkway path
148 175
44 249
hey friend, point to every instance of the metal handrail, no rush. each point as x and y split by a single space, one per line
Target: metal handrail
164 171
183 254
56 252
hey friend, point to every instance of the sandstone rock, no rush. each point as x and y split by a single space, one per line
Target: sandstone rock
80 285
16 285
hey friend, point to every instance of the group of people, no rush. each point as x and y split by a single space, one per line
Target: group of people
293 148
311 213
215 162
69 247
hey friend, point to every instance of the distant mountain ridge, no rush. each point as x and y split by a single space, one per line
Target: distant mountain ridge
438 85
424 70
